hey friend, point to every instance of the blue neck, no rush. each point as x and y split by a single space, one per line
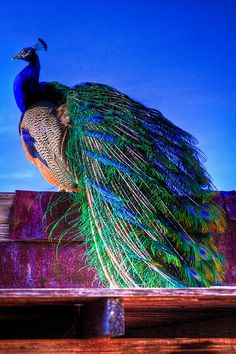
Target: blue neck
26 83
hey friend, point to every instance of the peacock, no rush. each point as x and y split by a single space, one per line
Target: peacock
145 201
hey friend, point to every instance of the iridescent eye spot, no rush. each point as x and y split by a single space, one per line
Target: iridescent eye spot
205 213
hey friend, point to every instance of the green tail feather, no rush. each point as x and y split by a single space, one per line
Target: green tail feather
147 210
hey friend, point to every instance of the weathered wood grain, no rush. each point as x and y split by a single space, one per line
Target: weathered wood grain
27 257
24 212
6 204
109 318
180 322
30 218
228 201
156 297
38 265
200 314
120 346
102 318
150 313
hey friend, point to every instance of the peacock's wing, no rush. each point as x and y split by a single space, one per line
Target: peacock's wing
147 208
44 133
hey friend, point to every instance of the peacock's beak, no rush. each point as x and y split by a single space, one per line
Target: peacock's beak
18 56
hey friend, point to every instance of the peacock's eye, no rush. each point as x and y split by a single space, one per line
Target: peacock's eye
25 52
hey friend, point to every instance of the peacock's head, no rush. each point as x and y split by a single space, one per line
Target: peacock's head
29 54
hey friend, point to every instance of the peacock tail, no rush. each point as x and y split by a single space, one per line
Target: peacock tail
144 201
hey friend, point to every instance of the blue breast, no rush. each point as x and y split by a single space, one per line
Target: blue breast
26 84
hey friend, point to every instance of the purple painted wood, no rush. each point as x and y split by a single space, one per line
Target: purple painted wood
229 203
29 259
226 242
33 265
28 213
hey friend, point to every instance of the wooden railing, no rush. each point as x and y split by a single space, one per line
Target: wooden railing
118 320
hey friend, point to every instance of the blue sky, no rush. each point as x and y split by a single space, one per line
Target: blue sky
176 56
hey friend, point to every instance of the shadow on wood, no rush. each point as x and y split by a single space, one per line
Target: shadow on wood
103 318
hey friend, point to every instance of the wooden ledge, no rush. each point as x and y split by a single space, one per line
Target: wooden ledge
133 313
137 345
220 296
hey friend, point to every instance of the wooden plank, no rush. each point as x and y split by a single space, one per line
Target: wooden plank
109 318
156 297
162 313
24 211
103 318
29 221
179 322
226 243
119 346
229 203
6 203
27 257
35 264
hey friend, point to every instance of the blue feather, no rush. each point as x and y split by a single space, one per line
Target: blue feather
94 120
194 273
102 190
202 251
107 161
130 219
119 206
29 142
150 126
101 136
